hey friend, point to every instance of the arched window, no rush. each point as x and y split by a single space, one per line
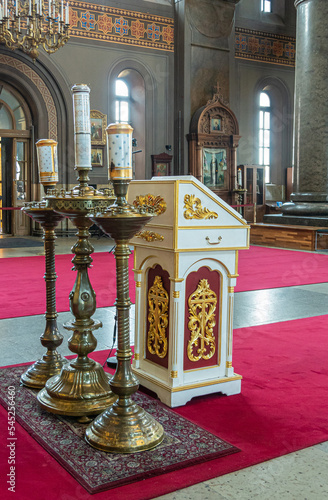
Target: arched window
266 6
122 104
265 133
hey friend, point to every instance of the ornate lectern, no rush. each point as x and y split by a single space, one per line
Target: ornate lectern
185 266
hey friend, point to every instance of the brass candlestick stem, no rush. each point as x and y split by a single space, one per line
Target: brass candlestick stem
124 427
52 362
82 388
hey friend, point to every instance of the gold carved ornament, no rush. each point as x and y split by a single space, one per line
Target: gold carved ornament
150 203
202 305
158 305
149 236
194 209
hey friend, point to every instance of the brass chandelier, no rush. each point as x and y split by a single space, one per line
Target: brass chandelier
26 24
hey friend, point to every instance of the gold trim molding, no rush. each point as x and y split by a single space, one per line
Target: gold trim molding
174 374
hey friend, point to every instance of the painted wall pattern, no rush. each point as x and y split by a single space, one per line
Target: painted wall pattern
109 24
265 47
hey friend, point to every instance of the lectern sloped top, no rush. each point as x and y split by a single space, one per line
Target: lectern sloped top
195 217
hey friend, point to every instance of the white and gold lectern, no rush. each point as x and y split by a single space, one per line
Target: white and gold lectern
185 266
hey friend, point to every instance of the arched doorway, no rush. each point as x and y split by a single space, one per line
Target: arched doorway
15 153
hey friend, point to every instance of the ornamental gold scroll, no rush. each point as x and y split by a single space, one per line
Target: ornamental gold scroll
158 305
194 210
202 306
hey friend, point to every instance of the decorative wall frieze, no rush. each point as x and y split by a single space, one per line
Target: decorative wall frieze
265 47
113 25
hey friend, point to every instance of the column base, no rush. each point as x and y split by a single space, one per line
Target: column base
295 220
306 208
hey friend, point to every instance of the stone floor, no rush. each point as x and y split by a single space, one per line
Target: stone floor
298 476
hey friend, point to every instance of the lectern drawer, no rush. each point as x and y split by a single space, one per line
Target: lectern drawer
213 238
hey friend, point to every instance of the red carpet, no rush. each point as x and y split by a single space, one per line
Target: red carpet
282 408
23 287
23 290
261 267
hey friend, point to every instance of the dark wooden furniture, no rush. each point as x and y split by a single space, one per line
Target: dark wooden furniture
213 140
251 179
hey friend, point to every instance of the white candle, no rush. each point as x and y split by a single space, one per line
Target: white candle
82 126
47 161
119 151
49 8
29 8
67 14
239 179
16 8
1 15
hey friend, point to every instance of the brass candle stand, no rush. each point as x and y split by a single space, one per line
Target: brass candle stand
52 362
124 427
82 388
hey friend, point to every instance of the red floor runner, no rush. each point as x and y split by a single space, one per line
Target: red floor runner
23 288
261 267
282 408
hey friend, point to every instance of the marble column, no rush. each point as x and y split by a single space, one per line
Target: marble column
310 196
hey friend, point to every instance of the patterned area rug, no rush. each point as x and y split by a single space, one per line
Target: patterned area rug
184 444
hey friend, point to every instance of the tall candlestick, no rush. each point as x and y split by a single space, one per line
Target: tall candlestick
82 127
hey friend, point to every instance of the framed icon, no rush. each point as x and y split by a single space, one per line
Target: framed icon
161 164
98 126
215 124
97 157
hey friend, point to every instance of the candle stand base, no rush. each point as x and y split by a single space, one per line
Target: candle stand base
42 370
124 429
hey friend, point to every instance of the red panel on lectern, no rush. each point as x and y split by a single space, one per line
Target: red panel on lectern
203 313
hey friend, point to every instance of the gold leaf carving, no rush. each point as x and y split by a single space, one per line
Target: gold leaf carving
149 236
202 305
150 203
194 209
158 304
